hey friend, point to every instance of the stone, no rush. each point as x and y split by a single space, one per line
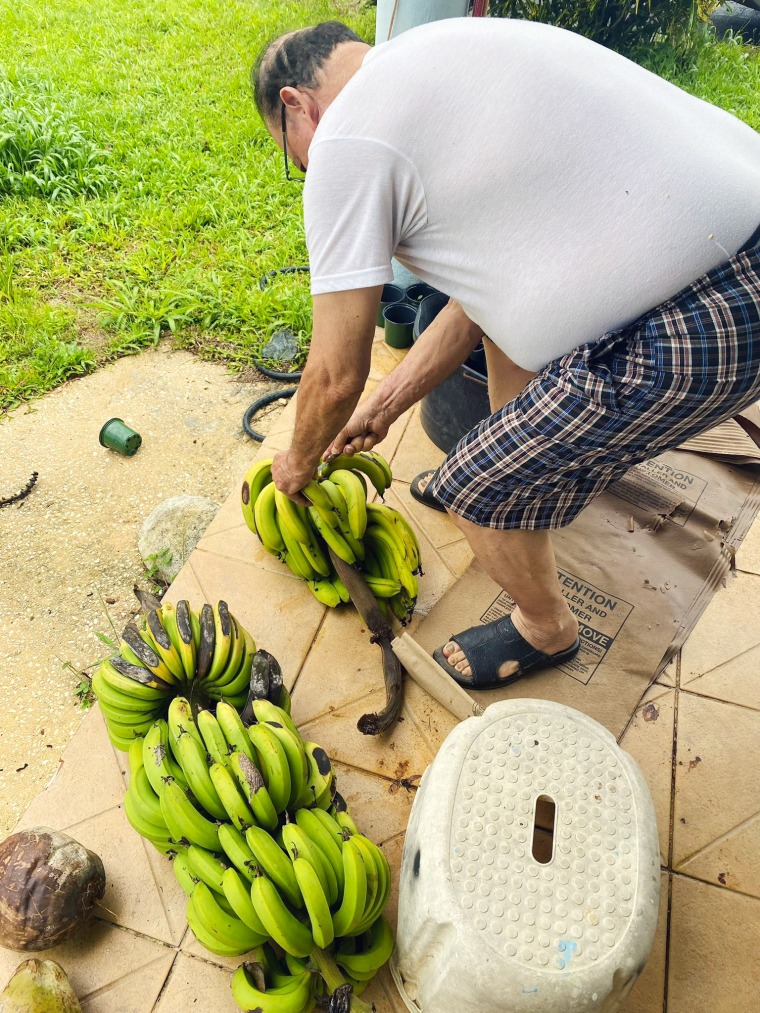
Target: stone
170 533
282 346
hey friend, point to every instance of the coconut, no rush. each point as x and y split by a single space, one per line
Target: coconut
49 884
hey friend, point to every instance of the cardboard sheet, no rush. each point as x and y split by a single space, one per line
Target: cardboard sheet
637 567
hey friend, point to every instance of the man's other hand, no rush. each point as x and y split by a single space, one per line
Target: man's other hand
290 476
363 431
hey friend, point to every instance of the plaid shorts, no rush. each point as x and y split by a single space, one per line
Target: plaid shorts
586 418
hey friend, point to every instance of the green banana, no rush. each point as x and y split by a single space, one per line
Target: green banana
236 849
281 924
135 757
325 841
257 476
331 825
146 802
378 949
186 645
238 893
116 699
133 680
297 843
392 563
318 498
378 882
316 556
362 463
156 637
274 863
298 764
206 938
136 651
354 493
226 787
254 789
341 588
384 517
265 515
191 756
292 997
159 836
213 737
325 592
206 866
182 722
379 459
273 764
296 556
227 929
236 678
223 641
344 821
233 729
317 906
354 898
182 872
383 587
184 821
332 537
160 766
267 712
292 517
321 777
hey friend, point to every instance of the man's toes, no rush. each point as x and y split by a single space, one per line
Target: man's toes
463 667
449 649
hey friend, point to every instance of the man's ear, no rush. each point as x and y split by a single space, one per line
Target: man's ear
298 99
291 97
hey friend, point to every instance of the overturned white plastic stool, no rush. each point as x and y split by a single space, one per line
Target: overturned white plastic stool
531 867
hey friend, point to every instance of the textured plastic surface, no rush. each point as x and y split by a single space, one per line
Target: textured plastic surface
486 927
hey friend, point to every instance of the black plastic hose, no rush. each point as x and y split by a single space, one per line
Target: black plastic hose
257 405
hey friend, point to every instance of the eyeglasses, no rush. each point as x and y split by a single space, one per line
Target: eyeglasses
291 179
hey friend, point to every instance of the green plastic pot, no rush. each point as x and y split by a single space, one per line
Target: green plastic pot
399 324
116 435
390 295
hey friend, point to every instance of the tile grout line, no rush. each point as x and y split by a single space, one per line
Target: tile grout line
717 840
308 651
736 657
716 886
166 982
107 987
673 769
718 699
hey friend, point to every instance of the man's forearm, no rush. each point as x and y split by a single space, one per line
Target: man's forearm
322 409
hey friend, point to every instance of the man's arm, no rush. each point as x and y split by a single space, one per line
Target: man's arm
333 380
441 348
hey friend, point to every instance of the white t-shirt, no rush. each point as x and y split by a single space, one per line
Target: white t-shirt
554 188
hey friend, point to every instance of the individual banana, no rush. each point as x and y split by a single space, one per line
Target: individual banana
191 756
345 821
292 746
341 588
159 763
238 894
363 463
274 863
331 825
378 948
379 459
296 843
155 636
233 729
291 997
270 713
354 897
135 757
273 764
316 555
184 821
236 849
325 841
181 720
355 495
205 937
280 922
187 648
223 640
265 514
296 556
116 699
227 929
133 680
235 805
292 517
383 587
332 537
384 517
182 872
213 736
321 778
325 592
206 642
159 836
386 547
318 498
257 476
236 677
206 866
136 651
145 801
251 782
317 906
378 882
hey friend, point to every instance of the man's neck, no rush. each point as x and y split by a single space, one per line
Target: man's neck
340 67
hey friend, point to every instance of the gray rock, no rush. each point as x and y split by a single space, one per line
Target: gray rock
282 346
170 533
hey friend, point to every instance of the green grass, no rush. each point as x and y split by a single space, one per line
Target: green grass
140 195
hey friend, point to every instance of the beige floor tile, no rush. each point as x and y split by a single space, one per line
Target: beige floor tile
197 985
379 806
735 681
727 629
279 612
714 959
74 794
402 750
716 825
240 543
384 358
388 447
393 850
648 994
433 722
416 453
140 894
669 675
186 585
649 740
457 556
275 442
748 553
111 969
342 667
382 992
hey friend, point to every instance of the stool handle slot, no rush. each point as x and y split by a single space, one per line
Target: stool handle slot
544 826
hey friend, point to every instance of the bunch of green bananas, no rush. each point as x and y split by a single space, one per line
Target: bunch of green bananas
264 847
375 538
174 651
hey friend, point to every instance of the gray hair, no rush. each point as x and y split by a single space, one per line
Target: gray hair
294 60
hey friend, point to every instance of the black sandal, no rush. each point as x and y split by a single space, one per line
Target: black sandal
491 647
424 496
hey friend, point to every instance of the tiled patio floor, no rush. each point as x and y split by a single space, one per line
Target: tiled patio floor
695 734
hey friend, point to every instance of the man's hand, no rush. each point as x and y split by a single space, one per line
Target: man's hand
366 428
290 476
